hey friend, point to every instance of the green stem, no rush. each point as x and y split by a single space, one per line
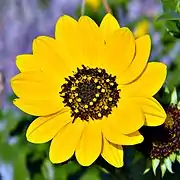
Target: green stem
106 6
116 174
121 174
83 3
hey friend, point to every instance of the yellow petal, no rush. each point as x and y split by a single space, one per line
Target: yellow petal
142 28
149 83
36 85
90 144
65 142
124 139
132 139
112 153
118 52
45 128
90 40
64 27
108 25
143 47
67 36
47 53
153 111
26 62
126 118
39 107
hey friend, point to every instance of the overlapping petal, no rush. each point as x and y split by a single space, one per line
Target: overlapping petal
125 119
118 52
112 153
149 83
67 34
65 142
108 25
124 139
90 40
38 107
153 111
49 57
26 62
45 128
36 85
143 47
90 145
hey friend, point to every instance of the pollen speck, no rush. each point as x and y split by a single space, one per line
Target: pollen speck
79 100
99 115
94 99
98 87
97 95
107 80
103 90
86 106
91 103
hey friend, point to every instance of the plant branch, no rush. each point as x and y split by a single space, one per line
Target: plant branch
106 6
83 3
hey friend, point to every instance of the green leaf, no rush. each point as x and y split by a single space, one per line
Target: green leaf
169 5
166 90
7 152
178 105
172 17
174 98
91 174
43 3
173 29
175 34
172 157
163 169
169 16
146 171
178 158
48 170
63 171
155 164
138 156
168 164
39 176
19 164
148 166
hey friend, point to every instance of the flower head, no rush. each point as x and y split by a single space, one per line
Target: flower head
166 150
93 3
170 144
92 89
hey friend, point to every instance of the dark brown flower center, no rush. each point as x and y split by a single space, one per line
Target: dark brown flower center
171 142
90 93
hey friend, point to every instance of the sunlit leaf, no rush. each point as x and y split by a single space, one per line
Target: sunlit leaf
91 173
20 171
66 170
169 5
169 16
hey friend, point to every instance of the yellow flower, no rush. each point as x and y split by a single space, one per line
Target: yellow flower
93 3
142 28
92 89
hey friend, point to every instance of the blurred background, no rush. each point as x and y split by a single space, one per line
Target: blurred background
23 20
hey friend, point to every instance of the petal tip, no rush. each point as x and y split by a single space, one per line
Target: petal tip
108 15
146 37
15 101
52 158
